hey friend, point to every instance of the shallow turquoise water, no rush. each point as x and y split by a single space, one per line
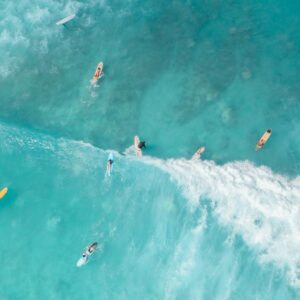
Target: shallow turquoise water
181 74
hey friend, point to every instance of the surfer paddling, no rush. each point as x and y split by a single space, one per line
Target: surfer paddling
263 139
98 72
85 255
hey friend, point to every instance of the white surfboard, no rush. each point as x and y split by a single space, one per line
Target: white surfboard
66 20
138 151
85 257
82 261
198 153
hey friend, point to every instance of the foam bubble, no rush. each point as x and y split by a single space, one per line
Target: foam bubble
52 223
37 15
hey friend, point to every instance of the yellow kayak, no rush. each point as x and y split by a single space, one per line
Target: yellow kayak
3 192
263 139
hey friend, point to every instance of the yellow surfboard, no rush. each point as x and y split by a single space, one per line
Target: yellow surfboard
263 139
3 192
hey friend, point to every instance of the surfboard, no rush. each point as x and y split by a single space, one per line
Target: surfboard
138 151
3 192
66 20
84 260
263 139
98 72
198 153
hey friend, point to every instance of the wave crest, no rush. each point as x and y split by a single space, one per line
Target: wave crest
251 201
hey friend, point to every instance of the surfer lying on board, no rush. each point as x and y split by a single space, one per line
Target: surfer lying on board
138 145
98 72
264 138
90 250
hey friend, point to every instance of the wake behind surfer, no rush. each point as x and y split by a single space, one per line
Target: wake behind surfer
86 254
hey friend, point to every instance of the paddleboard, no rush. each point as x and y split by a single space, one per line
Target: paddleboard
109 167
66 20
98 72
263 139
138 151
198 153
3 192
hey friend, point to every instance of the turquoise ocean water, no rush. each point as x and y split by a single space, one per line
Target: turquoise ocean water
180 74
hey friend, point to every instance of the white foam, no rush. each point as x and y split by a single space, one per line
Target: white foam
262 207
183 264
53 222
37 15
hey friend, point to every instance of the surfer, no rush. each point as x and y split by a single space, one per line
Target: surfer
141 145
92 248
263 139
85 256
98 72
109 165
